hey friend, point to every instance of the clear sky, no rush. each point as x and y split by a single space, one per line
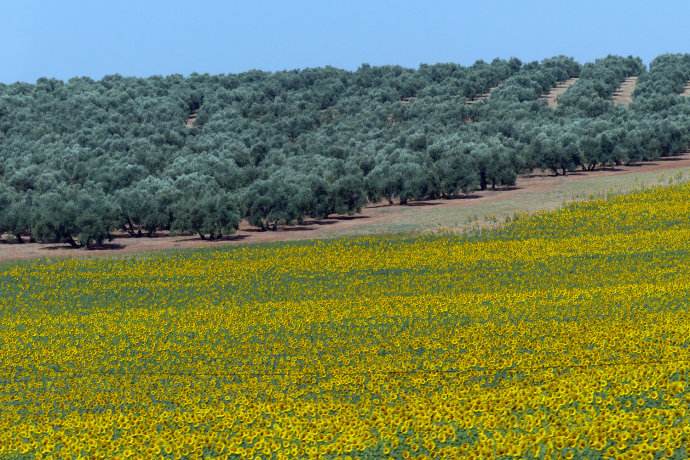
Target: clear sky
68 38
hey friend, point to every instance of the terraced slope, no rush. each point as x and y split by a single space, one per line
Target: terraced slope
551 98
624 93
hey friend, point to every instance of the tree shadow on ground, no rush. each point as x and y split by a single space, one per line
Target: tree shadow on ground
639 165
320 222
605 168
421 203
673 158
101 247
281 228
307 225
356 217
216 240
473 196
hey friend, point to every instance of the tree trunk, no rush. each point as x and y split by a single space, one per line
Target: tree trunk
203 237
19 238
565 172
403 201
71 242
482 180
129 227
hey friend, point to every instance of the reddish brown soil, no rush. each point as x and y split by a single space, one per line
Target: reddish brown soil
373 214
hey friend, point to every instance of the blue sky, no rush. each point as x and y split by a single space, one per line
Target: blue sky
68 38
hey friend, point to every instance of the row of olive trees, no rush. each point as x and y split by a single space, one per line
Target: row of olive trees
84 215
278 148
591 95
668 74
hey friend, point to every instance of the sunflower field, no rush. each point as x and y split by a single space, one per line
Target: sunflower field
562 334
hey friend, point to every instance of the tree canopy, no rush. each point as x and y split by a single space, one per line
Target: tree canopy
81 158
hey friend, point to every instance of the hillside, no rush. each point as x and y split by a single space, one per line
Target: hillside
84 159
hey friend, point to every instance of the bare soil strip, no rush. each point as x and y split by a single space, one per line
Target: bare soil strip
473 100
481 97
624 94
686 90
376 218
551 98
191 119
